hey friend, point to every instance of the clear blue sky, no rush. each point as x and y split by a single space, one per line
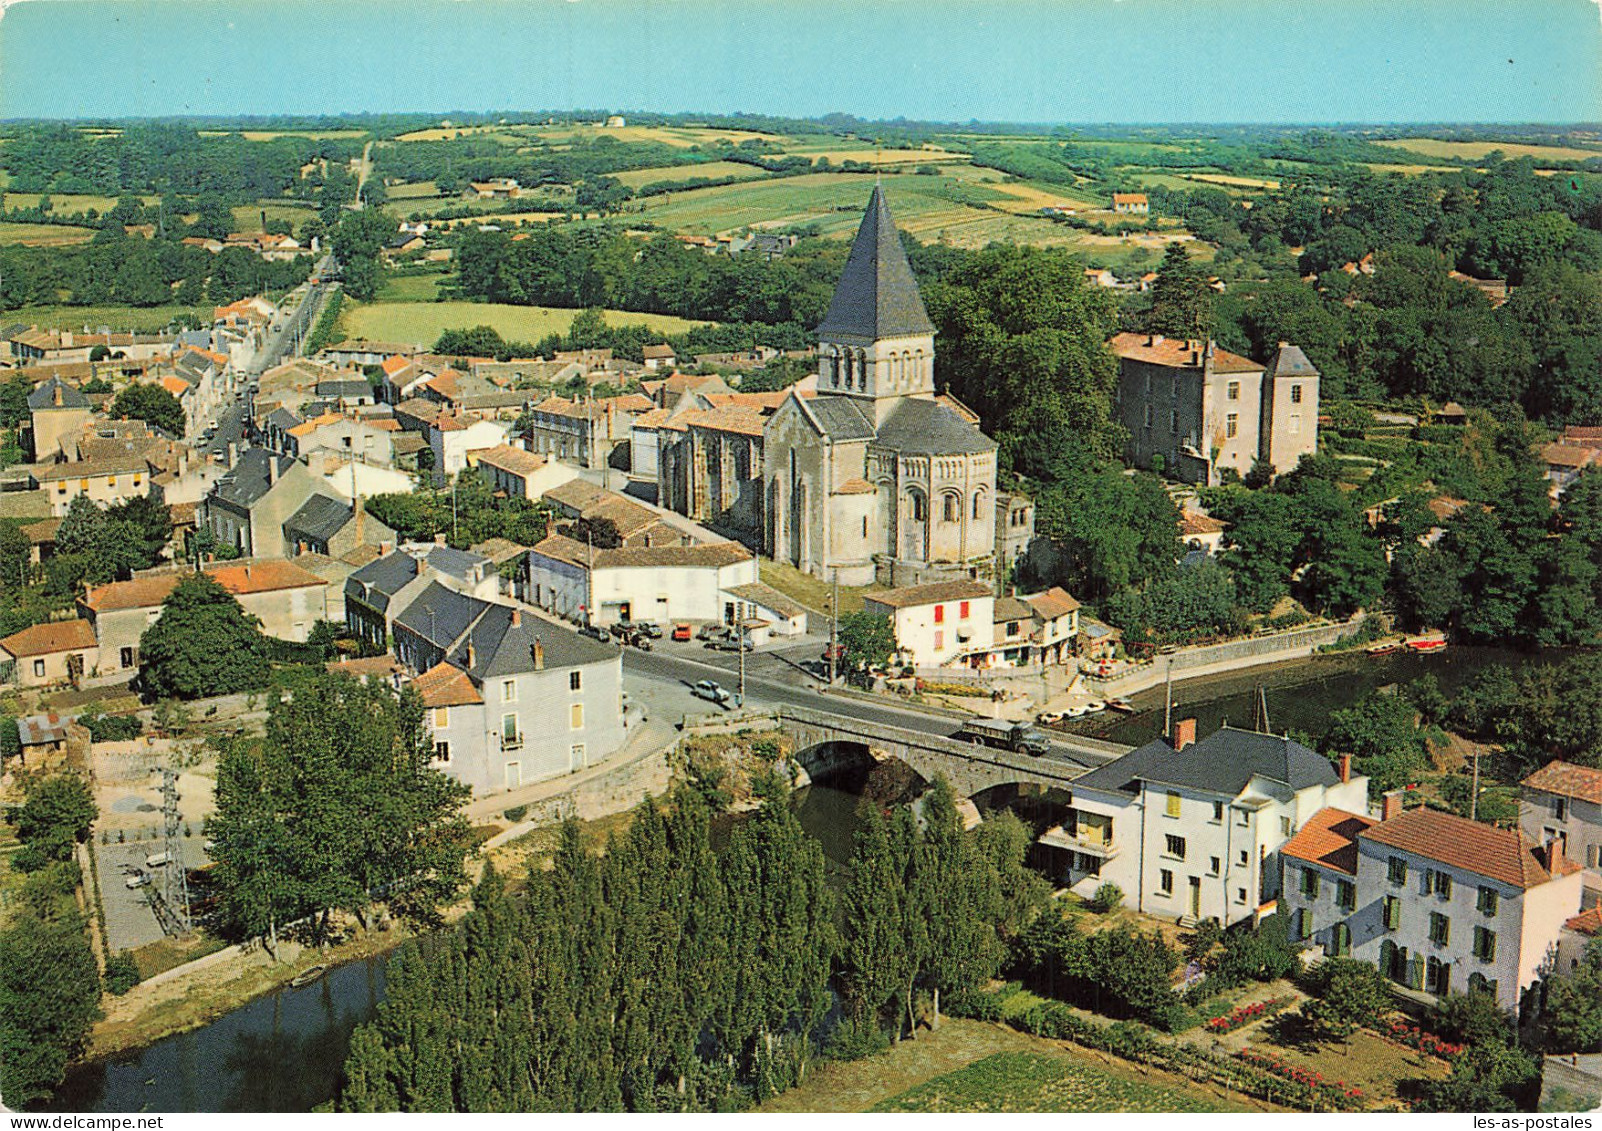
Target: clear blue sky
1011 60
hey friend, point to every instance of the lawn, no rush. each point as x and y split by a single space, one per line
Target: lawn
1474 150
141 319
247 217
973 1066
43 235
634 178
423 322
1023 1082
410 288
412 191
1375 1065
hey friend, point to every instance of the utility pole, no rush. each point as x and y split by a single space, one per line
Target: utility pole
834 621
1474 789
1168 702
739 642
589 578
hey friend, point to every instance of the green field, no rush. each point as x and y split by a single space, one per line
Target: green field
423 322
1023 1082
66 203
412 191
410 288
43 235
1475 150
144 320
247 217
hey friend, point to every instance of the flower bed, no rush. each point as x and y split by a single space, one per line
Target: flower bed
1411 1036
1245 1015
1325 1095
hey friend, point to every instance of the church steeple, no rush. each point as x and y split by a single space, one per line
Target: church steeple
876 342
877 297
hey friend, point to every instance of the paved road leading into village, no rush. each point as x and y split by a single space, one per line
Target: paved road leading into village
767 691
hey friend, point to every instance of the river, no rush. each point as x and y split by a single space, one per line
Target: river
283 1052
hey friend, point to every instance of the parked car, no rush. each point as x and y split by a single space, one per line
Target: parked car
137 880
710 691
681 632
622 630
711 631
836 652
159 860
641 641
730 644
1020 738
1046 718
595 632
646 628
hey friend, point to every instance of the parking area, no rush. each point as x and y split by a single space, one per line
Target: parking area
130 920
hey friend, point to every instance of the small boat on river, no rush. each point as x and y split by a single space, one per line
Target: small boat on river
1384 648
308 976
1431 643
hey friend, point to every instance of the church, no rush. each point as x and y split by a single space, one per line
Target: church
874 477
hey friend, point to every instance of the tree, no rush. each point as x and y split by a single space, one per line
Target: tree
874 961
56 815
152 404
964 899
16 556
1113 531
1382 734
49 998
1574 1006
203 644
1181 301
866 640
1350 993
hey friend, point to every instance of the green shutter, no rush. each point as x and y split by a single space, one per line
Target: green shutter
1415 972
1304 923
1393 913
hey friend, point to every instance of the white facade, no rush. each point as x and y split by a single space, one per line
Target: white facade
956 620
658 593
451 444
1563 802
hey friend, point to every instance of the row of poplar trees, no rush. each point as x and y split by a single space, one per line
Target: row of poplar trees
673 974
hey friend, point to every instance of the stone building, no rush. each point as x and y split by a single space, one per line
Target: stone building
1195 411
876 477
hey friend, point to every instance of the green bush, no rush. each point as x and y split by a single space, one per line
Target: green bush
111 728
857 1040
516 813
1108 898
122 973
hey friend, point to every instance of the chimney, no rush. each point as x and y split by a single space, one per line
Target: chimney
1553 856
53 718
1346 768
537 653
439 539
384 548
1184 733
472 655
517 617
272 468
1391 805
56 396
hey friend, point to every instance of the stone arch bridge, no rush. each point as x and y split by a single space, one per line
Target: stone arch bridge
825 741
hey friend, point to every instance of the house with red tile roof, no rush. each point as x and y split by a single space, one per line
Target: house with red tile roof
1562 801
43 654
1440 903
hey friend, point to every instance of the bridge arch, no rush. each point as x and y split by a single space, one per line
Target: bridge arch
848 764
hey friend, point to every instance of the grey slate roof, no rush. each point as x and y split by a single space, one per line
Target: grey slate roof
44 397
351 389
876 297
921 426
1290 361
248 480
380 579
443 559
282 418
501 648
841 417
1223 762
318 519
440 615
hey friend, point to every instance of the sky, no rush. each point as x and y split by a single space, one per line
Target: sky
1037 61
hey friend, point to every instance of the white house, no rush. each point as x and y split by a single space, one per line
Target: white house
1192 831
1438 902
1563 802
642 583
940 623
520 474
452 437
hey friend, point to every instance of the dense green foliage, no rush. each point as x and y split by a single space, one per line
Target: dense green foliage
203 644
866 641
313 818
152 404
55 815
1574 1006
466 512
49 997
666 975
97 544
1120 971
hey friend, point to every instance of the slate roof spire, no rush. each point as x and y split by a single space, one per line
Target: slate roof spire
876 297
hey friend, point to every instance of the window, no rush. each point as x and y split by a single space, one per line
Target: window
127 657
1234 390
1240 895
1165 882
1440 928
1397 870
962 613
575 716
1295 426
508 691
1309 883
1393 913
442 752
940 614
865 525
575 681
950 509
1218 812
1437 975
1287 826
1012 629
1486 903
1484 944
1175 846
1213 865
442 717
1340 941
38 668
919 511
1304 923
1243 819
1560 808
1438 883
1245 858
1231 425
978 506
1173 804
1346 894
511 737
1148 416
1296 394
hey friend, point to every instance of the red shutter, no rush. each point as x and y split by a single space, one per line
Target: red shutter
940 614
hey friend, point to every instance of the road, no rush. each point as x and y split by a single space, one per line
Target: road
763 690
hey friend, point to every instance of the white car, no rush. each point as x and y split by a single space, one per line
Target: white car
1046 718
706 689
137 880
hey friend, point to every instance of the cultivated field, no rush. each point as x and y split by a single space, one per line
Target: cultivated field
247 217
634 178
681 136
412 191
43 235
1024 1082
269 135
423 322
1475 150
140 319
68 202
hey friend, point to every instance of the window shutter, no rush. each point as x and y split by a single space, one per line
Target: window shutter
1304 924
1393 913
1415 972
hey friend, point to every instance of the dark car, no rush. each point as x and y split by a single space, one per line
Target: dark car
641 641
730 644
622 630
646 628
594 632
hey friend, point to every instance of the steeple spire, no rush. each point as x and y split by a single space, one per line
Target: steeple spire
877 296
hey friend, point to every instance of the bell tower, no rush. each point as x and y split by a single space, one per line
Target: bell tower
876 344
